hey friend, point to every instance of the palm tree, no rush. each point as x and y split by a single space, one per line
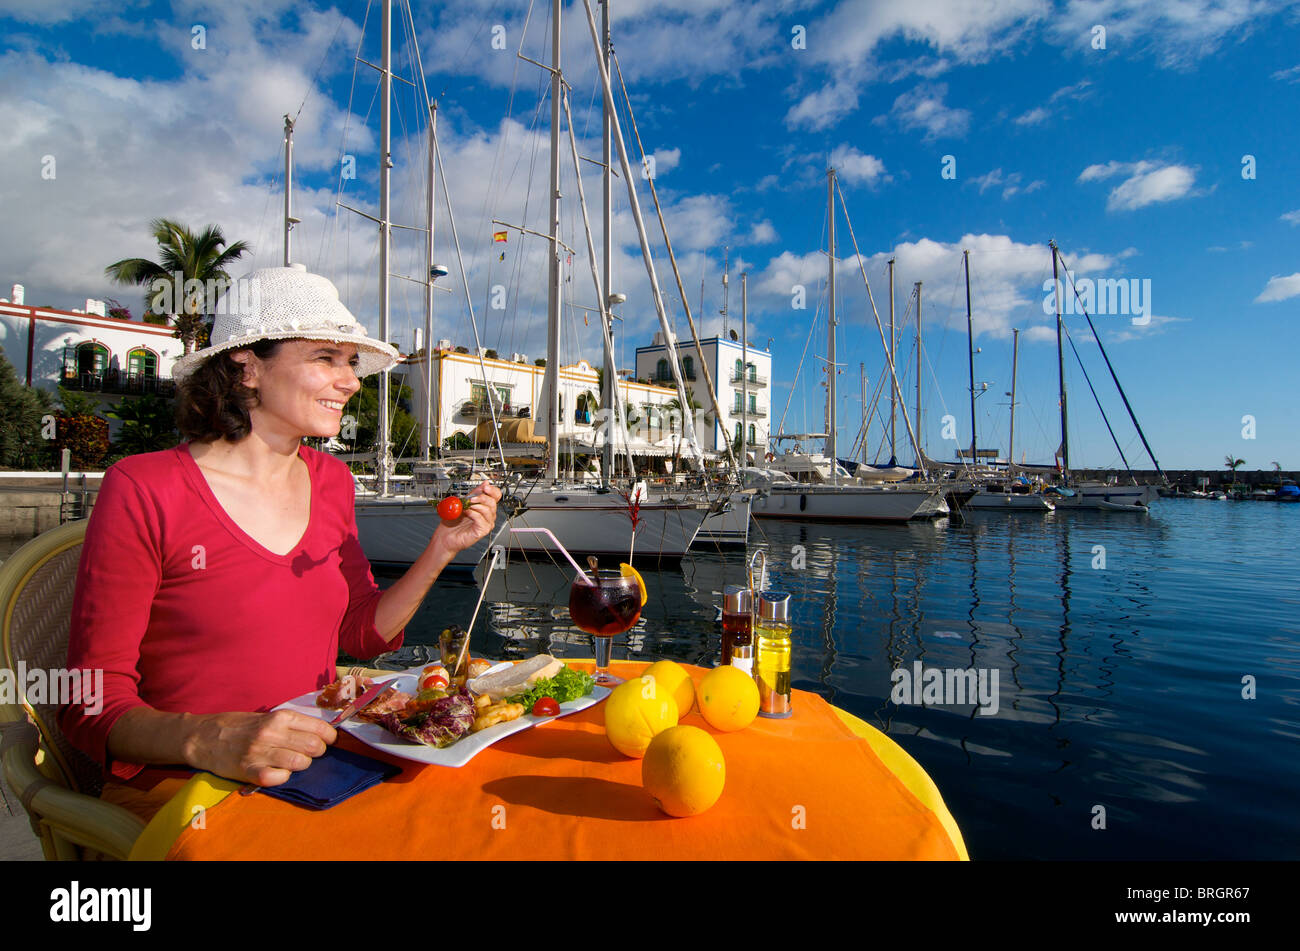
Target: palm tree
1233 464
187 257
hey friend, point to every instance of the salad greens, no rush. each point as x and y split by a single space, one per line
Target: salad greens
568 684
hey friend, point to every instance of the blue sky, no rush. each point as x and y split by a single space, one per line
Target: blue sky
1153 141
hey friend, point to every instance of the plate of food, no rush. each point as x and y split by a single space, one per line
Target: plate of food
427 720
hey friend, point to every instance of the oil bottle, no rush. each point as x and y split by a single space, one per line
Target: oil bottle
737 628
772 647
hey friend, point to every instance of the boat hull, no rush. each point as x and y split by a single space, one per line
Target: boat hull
842 503
395 531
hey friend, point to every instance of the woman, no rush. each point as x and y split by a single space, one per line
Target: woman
219 579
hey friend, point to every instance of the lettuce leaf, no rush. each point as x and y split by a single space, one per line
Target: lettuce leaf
568 684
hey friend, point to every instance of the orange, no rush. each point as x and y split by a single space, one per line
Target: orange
635 712
684 771
673 677
728 698
628 571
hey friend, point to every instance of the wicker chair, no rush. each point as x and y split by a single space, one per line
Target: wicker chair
57 784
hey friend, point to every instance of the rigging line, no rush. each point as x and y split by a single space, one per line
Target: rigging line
697 448
451 216
1123 396
799 366
319 66
331 230
1097 399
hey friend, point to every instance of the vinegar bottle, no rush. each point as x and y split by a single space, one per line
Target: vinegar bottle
772 647
737 628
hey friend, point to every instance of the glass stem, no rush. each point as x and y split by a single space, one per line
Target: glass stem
602 645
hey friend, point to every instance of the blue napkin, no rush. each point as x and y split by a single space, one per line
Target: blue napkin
331 778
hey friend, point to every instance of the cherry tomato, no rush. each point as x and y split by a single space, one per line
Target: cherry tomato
450 508
546 707
434 682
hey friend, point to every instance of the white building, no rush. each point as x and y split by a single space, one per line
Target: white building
462 387
741 375
84 349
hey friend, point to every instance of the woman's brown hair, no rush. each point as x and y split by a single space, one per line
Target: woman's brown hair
213 402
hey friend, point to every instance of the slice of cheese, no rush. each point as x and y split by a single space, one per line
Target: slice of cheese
517 679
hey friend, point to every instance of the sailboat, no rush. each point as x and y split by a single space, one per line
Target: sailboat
805 486
1094 495
395 528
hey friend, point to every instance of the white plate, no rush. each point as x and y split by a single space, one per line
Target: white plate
460 752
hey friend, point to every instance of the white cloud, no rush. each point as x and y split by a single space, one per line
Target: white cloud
666 160
1010 184
1292 216
923 108
762 233
1280 288
1033 117
1147 183
823 108
1148 187
1177 33
1291 75
856 167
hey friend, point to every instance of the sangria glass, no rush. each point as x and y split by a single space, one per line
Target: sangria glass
603 610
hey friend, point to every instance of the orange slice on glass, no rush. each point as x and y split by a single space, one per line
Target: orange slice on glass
629 572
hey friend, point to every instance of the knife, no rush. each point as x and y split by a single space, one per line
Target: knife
377 692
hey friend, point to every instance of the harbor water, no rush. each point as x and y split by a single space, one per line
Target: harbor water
1147 668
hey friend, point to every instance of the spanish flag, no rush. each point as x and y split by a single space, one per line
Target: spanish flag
498 236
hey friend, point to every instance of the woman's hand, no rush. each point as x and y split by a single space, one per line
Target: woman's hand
478 519
261 748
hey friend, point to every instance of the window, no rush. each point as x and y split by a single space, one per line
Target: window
753 435
736 408
92 358
478 393
688 368
753 403
740 370
753 373
142 362
662 370
738 432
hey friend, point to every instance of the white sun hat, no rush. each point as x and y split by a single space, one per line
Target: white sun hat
286 303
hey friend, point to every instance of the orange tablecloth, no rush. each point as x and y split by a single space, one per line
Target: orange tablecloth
801 788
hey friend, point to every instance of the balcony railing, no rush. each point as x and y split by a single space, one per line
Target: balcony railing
753 379
117 382
476 409
758 411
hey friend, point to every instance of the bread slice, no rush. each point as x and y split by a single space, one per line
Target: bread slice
517 679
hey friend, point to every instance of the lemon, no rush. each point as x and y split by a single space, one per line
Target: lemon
635 712
629 572
728 698
684 771
673 677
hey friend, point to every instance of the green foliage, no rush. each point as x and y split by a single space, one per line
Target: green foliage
203 257
21 411
364 408
539 362
148 424
85 437
77 404
458 441
490 354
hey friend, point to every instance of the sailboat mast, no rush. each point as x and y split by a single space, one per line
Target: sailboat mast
918 375
862 373
830 326
289 220
893 394
970 354
553 283
386 162
744 364
610 390
1015 357
428 286
1060 365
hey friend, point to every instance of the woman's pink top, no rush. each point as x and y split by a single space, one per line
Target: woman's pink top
184 612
